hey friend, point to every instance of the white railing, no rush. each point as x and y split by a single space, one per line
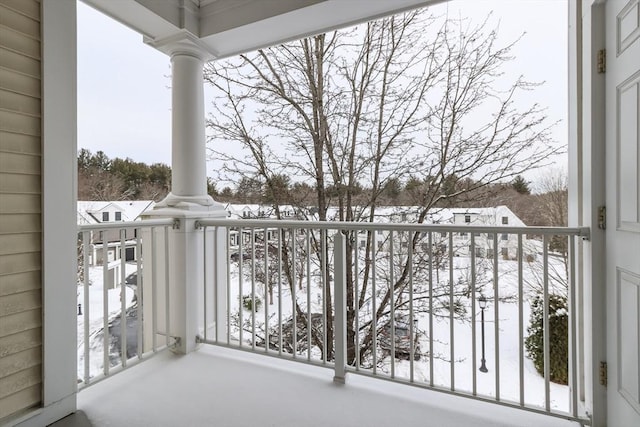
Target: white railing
122 279
404 302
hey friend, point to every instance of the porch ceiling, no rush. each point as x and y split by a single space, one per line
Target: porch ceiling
228 27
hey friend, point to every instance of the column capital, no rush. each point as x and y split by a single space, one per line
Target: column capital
182 43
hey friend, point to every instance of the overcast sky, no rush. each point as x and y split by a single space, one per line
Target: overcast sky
124 99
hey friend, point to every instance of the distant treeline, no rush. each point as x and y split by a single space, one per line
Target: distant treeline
102 178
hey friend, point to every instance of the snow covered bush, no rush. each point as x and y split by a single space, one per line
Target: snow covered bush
558 337
247 303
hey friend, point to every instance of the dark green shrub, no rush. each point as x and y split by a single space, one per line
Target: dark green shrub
247 303
558 337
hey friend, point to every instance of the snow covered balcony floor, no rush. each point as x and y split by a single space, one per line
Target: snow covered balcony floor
226 387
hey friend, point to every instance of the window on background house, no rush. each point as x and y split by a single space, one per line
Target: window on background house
505 220
118 216
467 219
505 252
505 236
105 216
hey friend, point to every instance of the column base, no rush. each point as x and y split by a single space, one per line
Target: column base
188 245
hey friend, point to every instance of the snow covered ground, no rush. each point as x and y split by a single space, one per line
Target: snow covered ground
310 296
224 387
507 326
96 318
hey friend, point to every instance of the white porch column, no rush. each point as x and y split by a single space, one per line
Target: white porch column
188 200
188 151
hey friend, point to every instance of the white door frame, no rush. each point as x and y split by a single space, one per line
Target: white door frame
587 192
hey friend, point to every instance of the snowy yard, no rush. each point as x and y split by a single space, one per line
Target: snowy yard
309 298
96 318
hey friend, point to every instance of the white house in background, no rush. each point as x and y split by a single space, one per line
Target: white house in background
255 211
100 212
483 243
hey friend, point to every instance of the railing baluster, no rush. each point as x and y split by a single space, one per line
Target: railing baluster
431 358
87 319
496 326
545 327
139 293
167 288
452 353
240 282
105 306
573 361
294 301
412 331
154 290
227 255
520 320
340 305
123 299
392 319
280 236
495 303
325 292
474 355
215 276
253 289
356 301
374 324
267 285
309 326
205 266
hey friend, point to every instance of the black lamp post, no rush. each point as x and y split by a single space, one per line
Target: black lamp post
482 301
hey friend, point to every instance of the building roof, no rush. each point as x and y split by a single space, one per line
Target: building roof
89 211
488 215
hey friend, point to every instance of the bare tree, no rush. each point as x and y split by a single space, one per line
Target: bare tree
410 95
552 199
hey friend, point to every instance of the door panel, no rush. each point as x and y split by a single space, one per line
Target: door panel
623 208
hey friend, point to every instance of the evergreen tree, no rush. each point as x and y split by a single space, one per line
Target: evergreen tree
520 185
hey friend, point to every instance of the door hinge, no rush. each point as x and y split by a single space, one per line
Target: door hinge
603 373
602 217
602 61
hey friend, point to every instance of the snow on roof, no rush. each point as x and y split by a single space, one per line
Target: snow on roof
386 214
88 211
490 215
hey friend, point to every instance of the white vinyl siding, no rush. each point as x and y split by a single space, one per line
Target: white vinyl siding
20 207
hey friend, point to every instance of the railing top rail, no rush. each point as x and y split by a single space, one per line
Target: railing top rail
342 225
126 224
